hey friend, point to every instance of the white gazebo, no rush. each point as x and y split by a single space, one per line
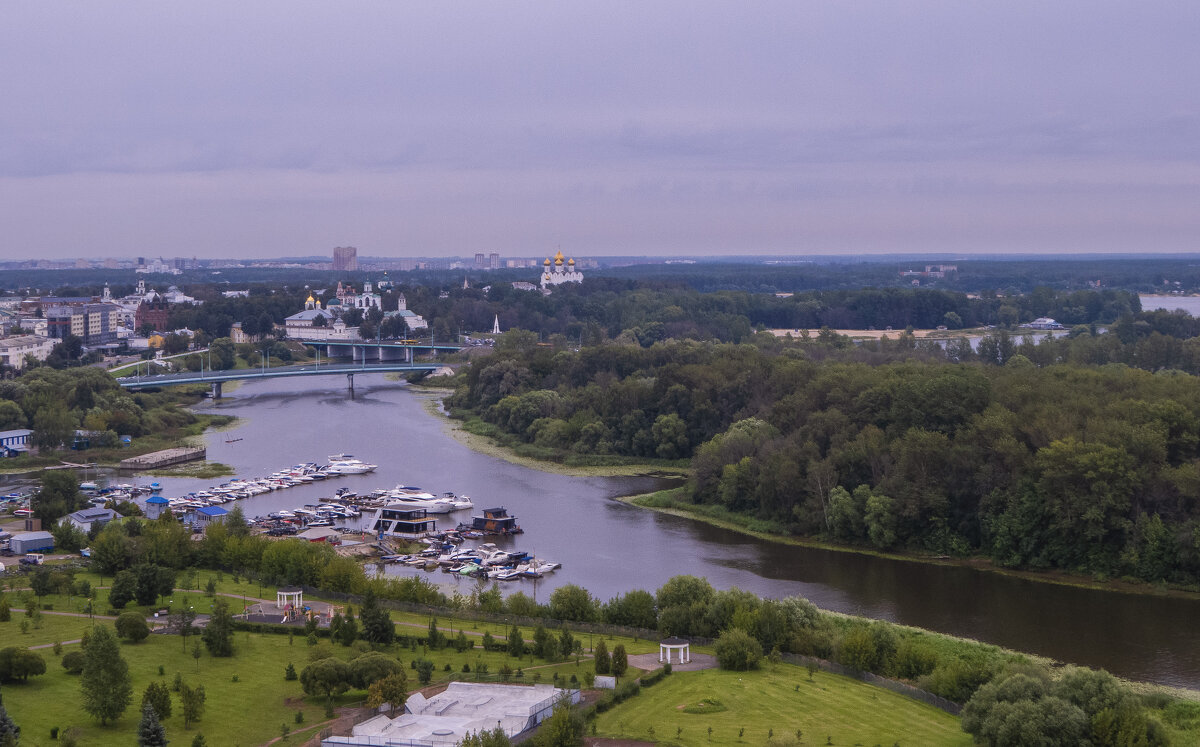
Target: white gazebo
289 596
674 644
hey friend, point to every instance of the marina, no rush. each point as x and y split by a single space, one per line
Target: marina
394 518
609 547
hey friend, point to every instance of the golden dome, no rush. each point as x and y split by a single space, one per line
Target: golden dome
571 261
547 262
310 299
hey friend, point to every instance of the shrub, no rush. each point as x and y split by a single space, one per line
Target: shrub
915 659
957 680
72 661
857 650
132 626
737 650
289 674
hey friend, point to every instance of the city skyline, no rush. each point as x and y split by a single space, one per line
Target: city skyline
607 129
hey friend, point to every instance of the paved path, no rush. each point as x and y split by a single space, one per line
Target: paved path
51 645
698 661
69 614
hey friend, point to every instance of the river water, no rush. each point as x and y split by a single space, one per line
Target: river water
609 547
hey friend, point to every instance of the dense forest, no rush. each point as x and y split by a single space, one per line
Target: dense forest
54 403
1079 453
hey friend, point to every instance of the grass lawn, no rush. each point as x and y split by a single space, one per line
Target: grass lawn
52 628
246 712
779 697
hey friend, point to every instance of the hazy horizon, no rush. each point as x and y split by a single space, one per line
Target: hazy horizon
265 130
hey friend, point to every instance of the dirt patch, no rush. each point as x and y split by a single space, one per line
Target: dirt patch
602 742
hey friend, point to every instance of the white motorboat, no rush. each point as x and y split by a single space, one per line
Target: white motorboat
345 464
459 502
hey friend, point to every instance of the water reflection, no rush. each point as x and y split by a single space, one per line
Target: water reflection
609 547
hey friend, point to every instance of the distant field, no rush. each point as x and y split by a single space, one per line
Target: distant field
781 699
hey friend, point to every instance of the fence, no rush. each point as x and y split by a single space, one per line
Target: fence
895 686
502 618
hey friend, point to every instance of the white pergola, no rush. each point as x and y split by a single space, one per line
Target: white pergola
674 644
292 595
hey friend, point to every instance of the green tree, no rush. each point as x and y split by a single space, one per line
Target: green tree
132 626
105 683
123 589
192 701
68 537
224 354
564 727
17 663
53 426
10 733
670 433
516 644
572 602
377 624
737 650
158 696
218 634
328 677
153 581
425 671
111 551
603 664
348 633
392 689
371 667
11 415
57 496
620 662
150 730
487 738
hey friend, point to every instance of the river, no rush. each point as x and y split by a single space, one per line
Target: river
610 547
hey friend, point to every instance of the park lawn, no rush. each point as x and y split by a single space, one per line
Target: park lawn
779 697
247 712
52 628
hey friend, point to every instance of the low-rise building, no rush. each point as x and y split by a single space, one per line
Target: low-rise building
91 517
31 542
14 442
14 349
463 708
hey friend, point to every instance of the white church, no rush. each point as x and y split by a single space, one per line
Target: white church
559 274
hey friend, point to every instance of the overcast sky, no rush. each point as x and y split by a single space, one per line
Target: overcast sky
265 128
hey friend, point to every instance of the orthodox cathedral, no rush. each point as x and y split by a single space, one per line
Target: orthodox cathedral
559 274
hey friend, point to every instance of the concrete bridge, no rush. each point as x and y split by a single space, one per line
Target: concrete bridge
216 378
381 350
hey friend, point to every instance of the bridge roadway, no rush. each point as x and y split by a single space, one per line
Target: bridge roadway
216 378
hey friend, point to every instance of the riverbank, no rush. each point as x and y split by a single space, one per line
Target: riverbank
668 502
110 458
432 403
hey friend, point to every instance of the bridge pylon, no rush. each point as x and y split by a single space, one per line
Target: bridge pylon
216 390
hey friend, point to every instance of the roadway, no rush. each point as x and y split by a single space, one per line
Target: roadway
322 369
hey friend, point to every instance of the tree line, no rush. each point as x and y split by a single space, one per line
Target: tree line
1034 457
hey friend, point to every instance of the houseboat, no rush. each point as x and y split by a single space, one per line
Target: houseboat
403 521
494 521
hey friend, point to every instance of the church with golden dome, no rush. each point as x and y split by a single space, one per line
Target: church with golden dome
558 273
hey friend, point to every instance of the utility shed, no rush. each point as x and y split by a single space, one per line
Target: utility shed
31 542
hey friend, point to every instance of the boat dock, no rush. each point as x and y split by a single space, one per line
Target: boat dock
165 458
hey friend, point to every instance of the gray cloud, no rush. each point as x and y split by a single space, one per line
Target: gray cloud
616 127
